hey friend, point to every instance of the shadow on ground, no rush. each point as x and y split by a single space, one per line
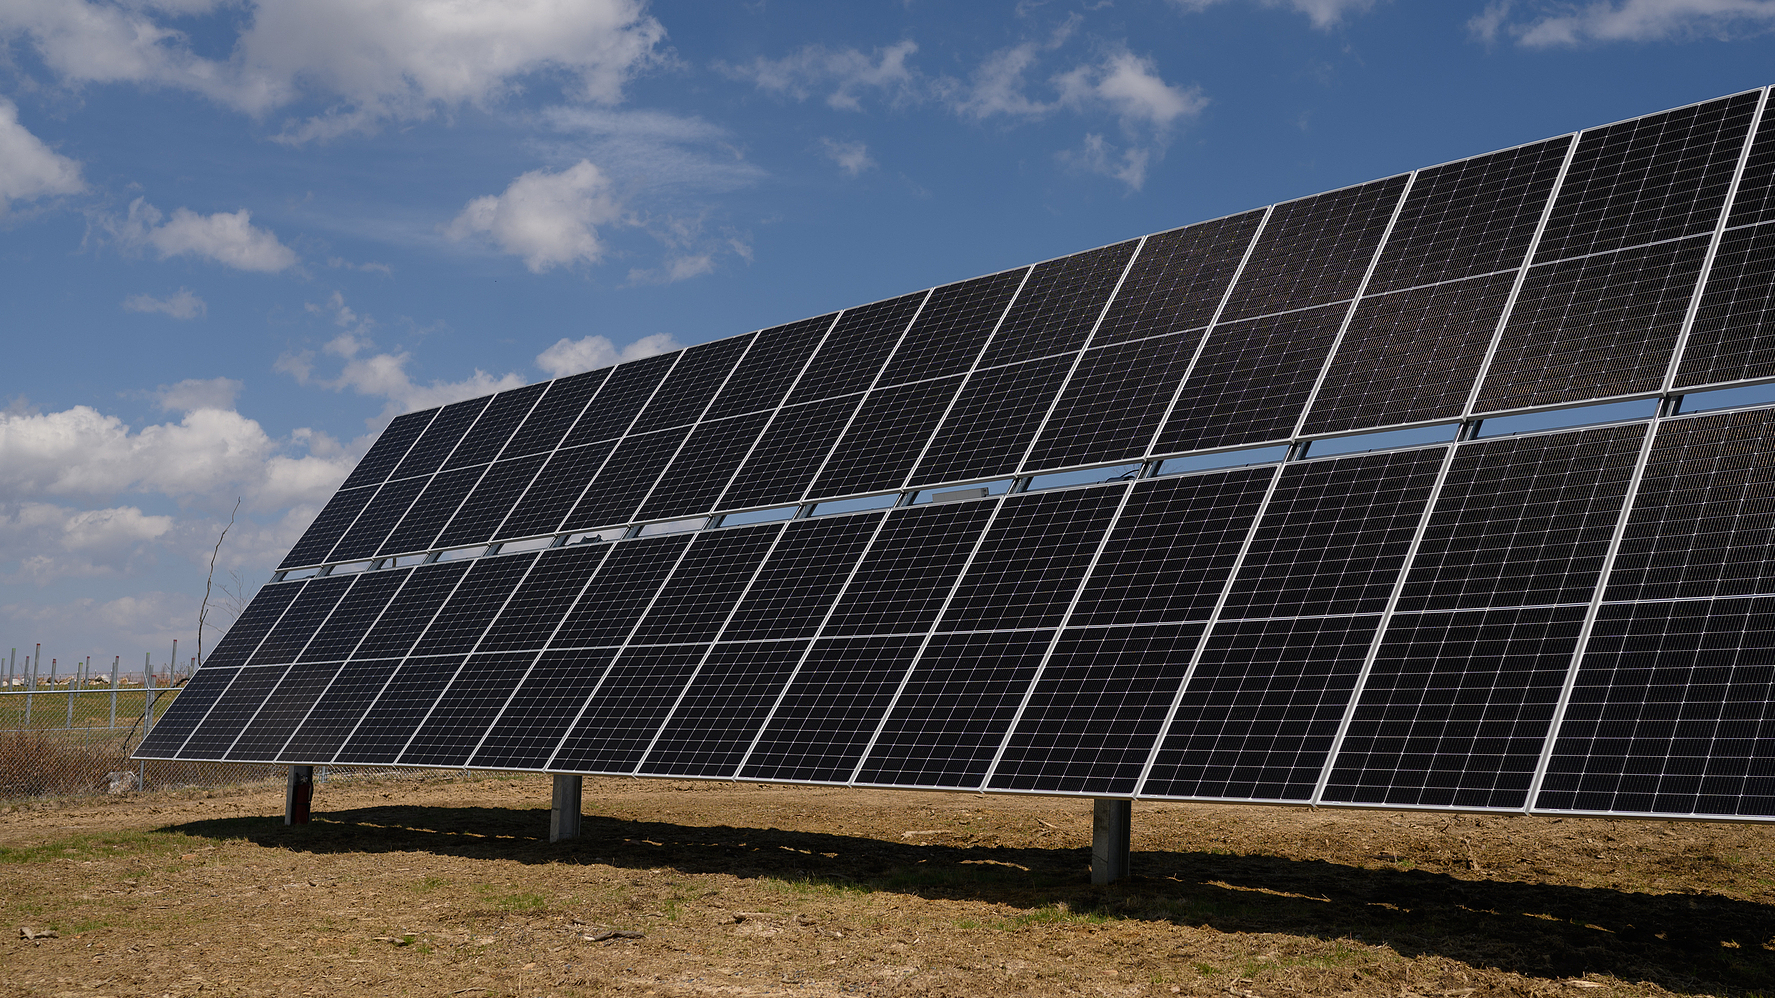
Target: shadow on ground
1683 942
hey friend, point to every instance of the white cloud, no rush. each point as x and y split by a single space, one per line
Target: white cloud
28 168
183 305
228 238
194 393
1323 13
51 542
997 85
383 61
1568 24
1131 86
592 352
549 219
851 157
1101 156
841 73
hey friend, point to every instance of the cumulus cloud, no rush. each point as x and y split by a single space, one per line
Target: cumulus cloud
851 157
1323 13
228 238
183 305
1547 25
28 168
592 352
842 74
365 370
195 393
1130 85
51 542
377 62
549 219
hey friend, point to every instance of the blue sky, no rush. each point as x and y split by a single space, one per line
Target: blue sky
236 238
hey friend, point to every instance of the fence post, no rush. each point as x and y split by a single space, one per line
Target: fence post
115 662
147 695
32 688
73 685
11 663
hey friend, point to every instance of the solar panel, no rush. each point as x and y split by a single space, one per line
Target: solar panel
1228 512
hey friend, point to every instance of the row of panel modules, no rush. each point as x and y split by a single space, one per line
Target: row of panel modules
1576 621
1626 261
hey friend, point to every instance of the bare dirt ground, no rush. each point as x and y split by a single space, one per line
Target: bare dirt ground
406 887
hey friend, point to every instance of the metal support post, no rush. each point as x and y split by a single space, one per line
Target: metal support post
116 661
147 695
298 795
564 817
1110 823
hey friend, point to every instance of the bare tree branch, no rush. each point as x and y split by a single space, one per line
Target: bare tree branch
204 611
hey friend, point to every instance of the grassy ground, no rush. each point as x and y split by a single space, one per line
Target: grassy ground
91 708
450 887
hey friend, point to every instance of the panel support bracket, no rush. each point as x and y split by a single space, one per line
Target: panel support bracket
298 795
1110 824
564 817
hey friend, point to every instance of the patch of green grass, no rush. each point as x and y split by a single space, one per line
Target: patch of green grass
814 886
1054 914
427 885
1205 969
104 845
523 901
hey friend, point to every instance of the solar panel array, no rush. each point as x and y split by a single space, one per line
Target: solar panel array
760 558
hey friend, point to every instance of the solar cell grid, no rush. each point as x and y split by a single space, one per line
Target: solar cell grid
691 386
369 596
1671 713
1314 250
232 710
437 502
1094 713
440 438
473 604
856 349
887 435
300 621
625 479
1252 381
335 518
554 490
721 710
398 710
543 708
1113 403
947 723
336 712
991 422
1522 521
411 610
498 422
1335 535
1727 341
1663 176
789 453
770 368
1755 200
1703 520
1261 708
256 621
826 716
902 582
1059 305
1178 279
388 449
378 520
620 719
706 585
461 716
549 422
480 514
1172 548
188 708
1410 356
703 466
1032 559
617 596
952 327
1456 709
283 709
544 597
617 404
803 575
1593 328
1470 217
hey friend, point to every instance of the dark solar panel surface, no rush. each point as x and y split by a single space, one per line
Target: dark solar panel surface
1178 279
1755 201
1396 627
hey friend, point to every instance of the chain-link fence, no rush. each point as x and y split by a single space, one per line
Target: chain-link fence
75 738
